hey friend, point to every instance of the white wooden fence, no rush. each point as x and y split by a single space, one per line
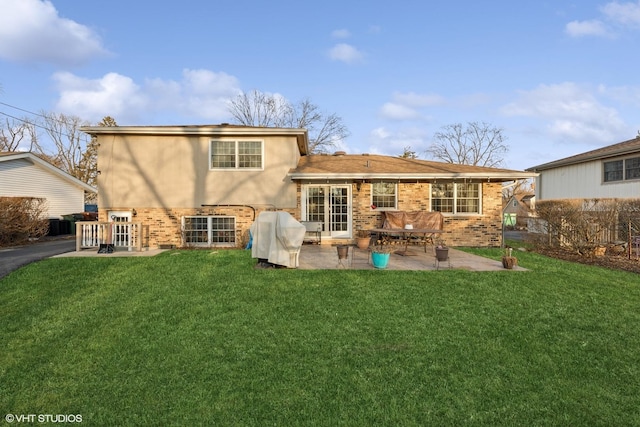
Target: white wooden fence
92 234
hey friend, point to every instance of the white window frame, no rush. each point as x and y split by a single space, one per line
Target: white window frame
326 216
210 231
236 155
455 199
395 201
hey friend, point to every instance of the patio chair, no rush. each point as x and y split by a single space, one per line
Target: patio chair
314 231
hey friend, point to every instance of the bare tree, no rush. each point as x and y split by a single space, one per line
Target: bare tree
69 143
18 134
478 144
518 187
88 165
260 109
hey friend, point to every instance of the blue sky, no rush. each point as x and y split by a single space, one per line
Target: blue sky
559 77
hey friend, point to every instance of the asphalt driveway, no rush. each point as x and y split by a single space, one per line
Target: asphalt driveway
15 257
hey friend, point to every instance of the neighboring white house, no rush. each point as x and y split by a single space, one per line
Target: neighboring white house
611 172
27 175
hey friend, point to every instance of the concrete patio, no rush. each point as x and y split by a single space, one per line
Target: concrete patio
325 257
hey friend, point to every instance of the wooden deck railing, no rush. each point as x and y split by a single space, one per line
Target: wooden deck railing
92 234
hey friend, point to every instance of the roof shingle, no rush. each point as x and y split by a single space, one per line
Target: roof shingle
620 149
378 166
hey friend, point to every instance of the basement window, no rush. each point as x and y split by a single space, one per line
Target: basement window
209 231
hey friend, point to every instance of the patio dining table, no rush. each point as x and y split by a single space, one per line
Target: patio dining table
405 235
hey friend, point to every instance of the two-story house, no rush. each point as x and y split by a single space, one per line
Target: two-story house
611 172
205 185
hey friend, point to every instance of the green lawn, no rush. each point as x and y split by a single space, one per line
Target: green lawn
203 338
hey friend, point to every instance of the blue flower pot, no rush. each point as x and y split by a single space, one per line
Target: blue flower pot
380 260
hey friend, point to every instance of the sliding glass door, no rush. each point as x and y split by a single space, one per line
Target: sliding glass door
330 205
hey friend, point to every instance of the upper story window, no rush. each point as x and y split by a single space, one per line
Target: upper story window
236 155
384 195
456 198
621 170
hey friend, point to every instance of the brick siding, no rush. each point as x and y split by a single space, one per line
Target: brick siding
483 230
474 230
165 225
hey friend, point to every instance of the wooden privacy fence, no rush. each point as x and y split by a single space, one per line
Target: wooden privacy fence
129 235
625 233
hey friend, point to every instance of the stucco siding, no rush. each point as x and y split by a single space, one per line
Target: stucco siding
582 181
173 172
22 178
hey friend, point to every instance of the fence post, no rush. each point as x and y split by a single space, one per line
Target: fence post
78 235
630 239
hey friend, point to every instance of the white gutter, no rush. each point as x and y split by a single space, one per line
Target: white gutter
231 130
190 130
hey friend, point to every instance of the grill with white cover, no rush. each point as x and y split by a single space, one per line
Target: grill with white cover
277 238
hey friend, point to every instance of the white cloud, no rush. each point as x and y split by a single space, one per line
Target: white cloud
614 14
341 34
393 142
627 14
395 111
417 100
112 95
345 53
200 93
31 30
586 28
407 105
629 95
572 112
380 133
206 93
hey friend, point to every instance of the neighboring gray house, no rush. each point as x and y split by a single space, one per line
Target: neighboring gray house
24 174
611 172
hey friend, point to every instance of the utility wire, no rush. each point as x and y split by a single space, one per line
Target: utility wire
22 109
85 138
26 121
